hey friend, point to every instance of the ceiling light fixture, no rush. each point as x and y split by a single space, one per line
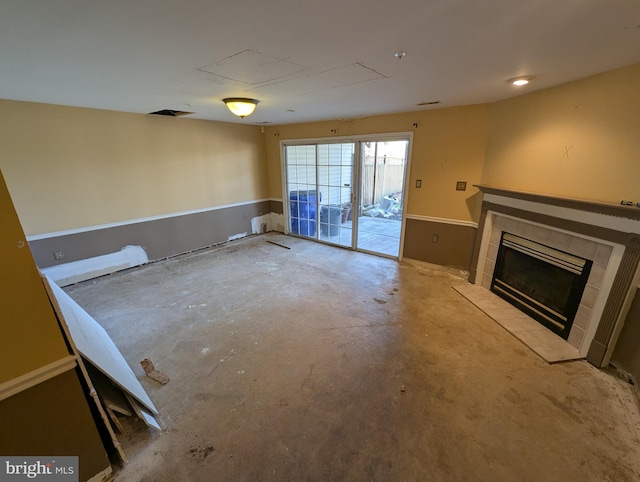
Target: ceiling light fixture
240 106
520 81
400 54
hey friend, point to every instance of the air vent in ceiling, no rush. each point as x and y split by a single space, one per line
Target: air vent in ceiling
170 113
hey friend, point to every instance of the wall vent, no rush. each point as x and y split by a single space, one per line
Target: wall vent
170 113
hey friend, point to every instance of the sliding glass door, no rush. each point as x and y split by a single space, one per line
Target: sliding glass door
350 194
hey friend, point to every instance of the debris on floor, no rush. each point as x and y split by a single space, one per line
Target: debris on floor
278 244
150 370
200 451
143 414
379 301
390 207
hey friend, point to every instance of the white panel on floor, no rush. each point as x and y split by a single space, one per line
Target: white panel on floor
95 344
76 271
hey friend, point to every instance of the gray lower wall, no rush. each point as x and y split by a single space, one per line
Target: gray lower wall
454 247
160 237
627 352
276 207
169 236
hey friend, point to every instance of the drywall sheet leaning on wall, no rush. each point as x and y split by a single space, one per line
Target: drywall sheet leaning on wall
95 344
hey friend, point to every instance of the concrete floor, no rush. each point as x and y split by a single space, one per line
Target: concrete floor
318 363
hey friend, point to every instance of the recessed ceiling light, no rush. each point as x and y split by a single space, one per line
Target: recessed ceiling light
522 80
400 54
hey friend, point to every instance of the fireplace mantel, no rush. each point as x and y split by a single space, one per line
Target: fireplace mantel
617 226
609 209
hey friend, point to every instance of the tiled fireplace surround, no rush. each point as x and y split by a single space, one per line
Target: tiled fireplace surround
599 253
606 234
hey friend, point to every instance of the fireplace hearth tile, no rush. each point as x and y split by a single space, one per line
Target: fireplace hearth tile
513 322
547 345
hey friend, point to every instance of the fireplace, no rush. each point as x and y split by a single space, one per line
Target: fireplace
581 260
544 282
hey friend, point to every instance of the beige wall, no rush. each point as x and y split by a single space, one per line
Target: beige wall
448 146
580 139
69 167
31 337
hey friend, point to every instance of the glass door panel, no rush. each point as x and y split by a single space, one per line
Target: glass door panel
382 171
320 189
335 181
302 190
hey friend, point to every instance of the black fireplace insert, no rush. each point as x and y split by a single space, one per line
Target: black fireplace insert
545 283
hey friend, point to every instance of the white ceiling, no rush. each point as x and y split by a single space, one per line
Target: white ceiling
304 61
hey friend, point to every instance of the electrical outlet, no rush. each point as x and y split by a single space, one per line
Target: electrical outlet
461 186
434 238
58 255
418 183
